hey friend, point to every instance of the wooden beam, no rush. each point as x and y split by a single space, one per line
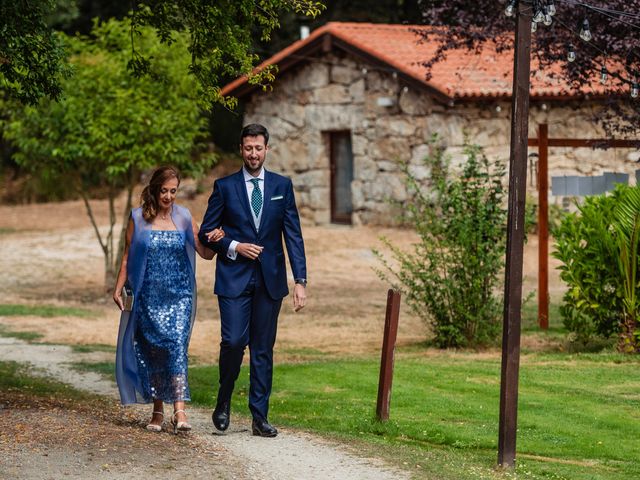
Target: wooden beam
543 227
586 143
387 357
507 429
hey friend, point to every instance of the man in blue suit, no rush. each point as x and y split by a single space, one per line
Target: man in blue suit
257 210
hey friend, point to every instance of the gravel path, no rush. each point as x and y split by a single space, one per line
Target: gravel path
291 455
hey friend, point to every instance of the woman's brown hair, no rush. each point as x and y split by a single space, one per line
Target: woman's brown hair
149 195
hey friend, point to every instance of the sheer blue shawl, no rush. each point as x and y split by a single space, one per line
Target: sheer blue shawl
129 382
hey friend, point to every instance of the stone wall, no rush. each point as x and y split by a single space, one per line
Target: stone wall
336 92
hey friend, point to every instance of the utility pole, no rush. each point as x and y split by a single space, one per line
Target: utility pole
515 237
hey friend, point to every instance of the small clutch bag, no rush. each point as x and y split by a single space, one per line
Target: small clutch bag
127 298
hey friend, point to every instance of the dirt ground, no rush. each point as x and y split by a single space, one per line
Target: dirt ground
52 438
49 255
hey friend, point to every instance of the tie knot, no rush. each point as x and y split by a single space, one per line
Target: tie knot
256 182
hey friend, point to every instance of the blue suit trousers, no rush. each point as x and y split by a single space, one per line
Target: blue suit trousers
249 320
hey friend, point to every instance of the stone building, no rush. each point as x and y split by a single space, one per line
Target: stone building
352 100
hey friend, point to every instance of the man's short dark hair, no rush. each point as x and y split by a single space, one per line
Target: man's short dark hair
253 130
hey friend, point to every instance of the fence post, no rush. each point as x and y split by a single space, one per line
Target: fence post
388 349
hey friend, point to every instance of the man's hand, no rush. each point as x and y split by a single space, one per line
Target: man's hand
299 297
249 250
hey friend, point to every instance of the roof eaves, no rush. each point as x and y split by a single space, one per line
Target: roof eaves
284 59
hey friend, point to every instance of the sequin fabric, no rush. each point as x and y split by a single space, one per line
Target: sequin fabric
164 316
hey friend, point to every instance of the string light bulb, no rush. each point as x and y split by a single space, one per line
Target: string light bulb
547 18
510 11
551 8
635 89
603 75
571 54
585 32
534 27
539 16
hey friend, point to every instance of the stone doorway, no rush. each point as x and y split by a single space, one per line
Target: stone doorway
341 162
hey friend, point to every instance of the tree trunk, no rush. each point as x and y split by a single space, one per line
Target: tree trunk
627 341
125 221
110 274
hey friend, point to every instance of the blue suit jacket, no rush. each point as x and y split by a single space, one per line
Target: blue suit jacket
229 208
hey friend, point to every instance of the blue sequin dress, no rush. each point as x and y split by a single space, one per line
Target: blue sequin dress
164 319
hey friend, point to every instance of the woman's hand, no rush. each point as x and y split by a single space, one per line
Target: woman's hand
117 297
215 235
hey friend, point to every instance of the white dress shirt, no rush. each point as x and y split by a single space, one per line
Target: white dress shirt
231 252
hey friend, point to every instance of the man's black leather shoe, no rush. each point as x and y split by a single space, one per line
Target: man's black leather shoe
262 428
221 416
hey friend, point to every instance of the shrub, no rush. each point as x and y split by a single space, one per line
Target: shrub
450 278
598 247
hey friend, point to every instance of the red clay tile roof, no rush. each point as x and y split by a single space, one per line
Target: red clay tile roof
463 74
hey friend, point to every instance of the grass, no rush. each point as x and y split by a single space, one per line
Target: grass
578 414
19 378
108 369
26 336
93 347
12 310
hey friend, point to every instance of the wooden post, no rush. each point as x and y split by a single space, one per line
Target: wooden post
388 349
543 226
515 239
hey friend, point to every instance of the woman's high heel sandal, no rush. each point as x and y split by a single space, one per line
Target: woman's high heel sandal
152 427
179 426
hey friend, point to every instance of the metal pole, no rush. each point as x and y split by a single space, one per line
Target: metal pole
515 238
543 226
388 349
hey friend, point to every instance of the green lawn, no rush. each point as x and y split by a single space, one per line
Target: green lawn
9 309
579 415
578 418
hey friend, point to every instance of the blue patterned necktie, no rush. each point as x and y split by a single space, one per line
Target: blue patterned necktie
256 196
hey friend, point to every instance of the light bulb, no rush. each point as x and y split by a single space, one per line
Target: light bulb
511 9
539 16
585 33
547 19
534 27
571 54
635 90
603 75
551 9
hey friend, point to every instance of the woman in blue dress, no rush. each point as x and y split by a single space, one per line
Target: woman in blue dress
158 265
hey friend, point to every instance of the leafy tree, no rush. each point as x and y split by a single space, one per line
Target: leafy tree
31 53
111 126
219 41
614 45
450 278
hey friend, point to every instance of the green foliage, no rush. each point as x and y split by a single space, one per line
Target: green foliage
217 41
110 126
598 247
450 278
31 53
